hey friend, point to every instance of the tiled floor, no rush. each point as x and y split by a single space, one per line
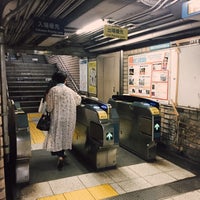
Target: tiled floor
122 180
108 183
194 195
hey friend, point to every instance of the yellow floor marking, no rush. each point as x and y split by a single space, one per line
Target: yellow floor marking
102 191
92 193
37 136
79 194
34 115
56 197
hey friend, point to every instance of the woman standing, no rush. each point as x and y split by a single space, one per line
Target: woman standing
61 104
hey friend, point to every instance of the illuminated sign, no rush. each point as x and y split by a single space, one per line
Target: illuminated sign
115 32
191 9
109 136
157 127
48 26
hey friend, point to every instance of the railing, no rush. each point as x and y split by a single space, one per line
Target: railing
62 66
69 76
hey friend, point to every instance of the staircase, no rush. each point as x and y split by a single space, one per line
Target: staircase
28 78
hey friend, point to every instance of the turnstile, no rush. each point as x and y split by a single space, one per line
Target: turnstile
139 124
20 143
96 135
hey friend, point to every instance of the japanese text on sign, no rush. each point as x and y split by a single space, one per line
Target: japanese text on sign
48 26
115 32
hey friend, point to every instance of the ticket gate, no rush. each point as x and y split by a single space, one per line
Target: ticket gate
96 135
139 124
20 143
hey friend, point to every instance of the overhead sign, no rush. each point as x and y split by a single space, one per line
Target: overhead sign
48 26
191 9
115 32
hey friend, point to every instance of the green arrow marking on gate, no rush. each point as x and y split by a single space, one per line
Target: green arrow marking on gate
156 126
109 136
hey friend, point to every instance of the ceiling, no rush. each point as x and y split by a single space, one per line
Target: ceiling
148 22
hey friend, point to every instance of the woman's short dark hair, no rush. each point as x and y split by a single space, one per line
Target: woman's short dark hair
59 77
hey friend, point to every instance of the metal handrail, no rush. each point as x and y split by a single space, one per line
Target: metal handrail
68 74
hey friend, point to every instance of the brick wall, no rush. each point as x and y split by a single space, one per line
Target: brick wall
2 175
182 134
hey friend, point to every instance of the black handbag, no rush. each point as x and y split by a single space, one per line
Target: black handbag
44 122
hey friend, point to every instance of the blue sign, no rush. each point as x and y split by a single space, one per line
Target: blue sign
190 9
160 46
48 26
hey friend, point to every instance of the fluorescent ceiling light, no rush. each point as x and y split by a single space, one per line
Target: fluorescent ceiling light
194 6
92 26
50 41
195 3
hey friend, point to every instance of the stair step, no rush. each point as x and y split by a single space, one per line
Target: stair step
27 82
30 72
26 93
45 72
30 103
30 109
27 98
26 65
27 87
27 78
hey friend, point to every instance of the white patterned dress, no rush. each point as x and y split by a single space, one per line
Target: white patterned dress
61 103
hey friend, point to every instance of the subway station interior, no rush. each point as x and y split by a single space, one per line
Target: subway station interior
135 64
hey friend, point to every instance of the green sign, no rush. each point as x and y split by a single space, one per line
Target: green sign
109 136
156 127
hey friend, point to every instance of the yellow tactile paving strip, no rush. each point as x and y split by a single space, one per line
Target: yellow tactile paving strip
92 193
37 136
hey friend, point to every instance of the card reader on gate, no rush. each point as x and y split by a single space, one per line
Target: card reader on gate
102 114
97 132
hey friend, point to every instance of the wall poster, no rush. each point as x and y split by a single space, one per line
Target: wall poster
83 74
148 74
92 77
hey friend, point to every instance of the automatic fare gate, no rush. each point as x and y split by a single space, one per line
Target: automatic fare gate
20 142
139 124
96 135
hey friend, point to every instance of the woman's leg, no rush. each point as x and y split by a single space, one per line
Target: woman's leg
61 155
